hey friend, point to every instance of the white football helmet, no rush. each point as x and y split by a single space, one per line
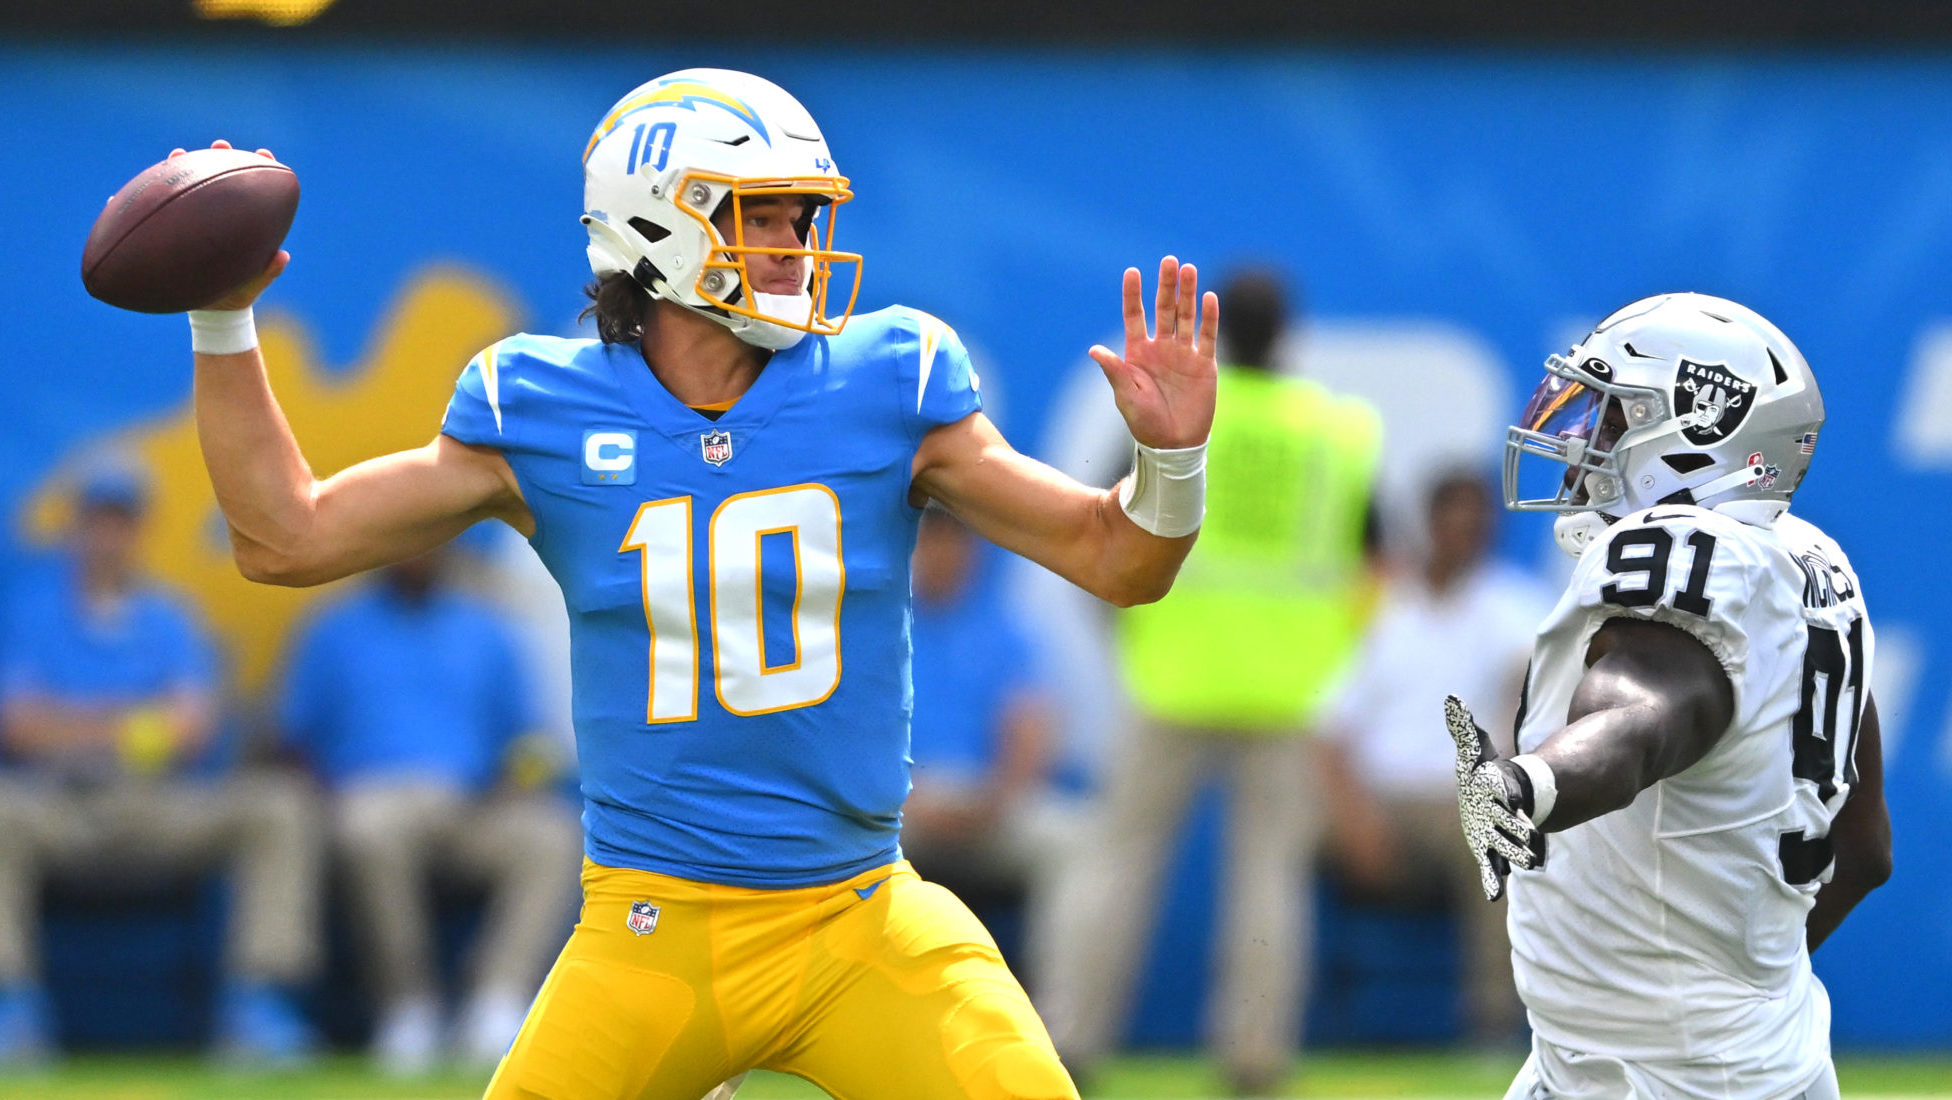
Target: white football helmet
1678 398
669 155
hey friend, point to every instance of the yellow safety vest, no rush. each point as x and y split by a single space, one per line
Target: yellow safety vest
1270 604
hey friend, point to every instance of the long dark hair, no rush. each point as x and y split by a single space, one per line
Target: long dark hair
619 305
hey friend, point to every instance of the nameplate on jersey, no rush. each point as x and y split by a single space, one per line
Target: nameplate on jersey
609 456
716 446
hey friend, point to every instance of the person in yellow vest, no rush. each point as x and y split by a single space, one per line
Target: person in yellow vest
1227 675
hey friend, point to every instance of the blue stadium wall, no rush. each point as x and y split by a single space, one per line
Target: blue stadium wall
1509 194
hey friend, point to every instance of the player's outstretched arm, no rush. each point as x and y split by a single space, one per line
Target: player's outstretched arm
288 527
1652 702
1164 387
1078 532
1860 837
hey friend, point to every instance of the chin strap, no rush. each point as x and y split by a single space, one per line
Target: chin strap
1747 475
1575 531
769 334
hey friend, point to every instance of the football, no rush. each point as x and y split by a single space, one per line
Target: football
189 230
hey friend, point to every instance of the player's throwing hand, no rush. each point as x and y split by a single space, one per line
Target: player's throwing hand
1164 383
1494 799
243 296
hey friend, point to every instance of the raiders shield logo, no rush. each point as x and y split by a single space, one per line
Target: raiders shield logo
1711 402
717 447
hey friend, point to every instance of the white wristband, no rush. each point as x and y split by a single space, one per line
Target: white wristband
222 331
1545 787
1166 492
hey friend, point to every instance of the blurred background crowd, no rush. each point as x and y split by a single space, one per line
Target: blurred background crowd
274 822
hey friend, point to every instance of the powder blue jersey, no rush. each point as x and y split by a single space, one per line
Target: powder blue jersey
738 589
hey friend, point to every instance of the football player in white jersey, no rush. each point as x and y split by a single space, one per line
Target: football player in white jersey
1697 738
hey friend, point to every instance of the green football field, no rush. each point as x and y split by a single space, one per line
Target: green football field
1324 1074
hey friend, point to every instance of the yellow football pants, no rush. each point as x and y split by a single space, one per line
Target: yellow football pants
882 987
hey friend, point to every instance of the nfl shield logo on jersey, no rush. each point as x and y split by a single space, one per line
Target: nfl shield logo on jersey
642 919
717 447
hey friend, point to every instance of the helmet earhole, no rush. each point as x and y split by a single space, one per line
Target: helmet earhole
649 230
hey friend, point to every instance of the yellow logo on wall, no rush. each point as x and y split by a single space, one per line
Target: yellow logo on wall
278 13
391 401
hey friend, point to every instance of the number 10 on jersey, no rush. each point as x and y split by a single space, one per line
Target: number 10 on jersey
746 684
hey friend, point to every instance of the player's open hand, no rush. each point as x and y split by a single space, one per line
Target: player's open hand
1164 383
1494 803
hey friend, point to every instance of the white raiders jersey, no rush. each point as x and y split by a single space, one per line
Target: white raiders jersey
1672 931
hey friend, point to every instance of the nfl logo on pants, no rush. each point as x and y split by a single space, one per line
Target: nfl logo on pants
642 919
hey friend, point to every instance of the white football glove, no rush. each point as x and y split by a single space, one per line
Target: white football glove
1494 799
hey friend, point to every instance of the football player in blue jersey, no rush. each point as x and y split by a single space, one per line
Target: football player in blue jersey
727 486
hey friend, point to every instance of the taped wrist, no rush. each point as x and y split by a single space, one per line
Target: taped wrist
1542 786
1166 492
223 331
